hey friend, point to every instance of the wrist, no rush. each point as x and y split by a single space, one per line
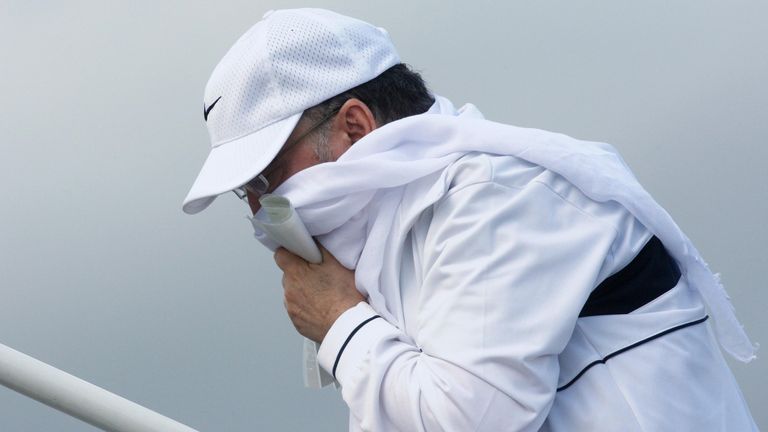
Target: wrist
337 312
350 338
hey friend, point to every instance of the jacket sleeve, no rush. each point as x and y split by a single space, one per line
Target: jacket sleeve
505 274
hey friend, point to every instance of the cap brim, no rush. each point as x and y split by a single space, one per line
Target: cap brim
232 164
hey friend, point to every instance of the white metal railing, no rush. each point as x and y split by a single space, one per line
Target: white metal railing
79 398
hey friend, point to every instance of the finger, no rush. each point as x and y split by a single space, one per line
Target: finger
280 257
285 259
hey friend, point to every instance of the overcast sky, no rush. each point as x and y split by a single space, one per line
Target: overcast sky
102 275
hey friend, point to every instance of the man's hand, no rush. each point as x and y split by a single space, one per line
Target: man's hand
316 294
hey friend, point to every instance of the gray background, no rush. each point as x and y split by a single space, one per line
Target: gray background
102 275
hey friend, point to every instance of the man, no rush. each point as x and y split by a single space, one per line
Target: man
475 276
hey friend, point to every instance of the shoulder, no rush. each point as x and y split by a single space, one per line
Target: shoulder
477 171
509 190
484 169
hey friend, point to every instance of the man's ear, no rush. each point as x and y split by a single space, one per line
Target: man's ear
356 120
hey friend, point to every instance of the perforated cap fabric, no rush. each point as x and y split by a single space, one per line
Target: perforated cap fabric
288 62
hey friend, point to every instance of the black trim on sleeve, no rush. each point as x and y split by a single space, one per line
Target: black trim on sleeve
650 274
349 338
629 347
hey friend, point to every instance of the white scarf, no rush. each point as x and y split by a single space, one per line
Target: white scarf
355 206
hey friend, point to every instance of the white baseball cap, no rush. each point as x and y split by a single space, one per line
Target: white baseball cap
288 62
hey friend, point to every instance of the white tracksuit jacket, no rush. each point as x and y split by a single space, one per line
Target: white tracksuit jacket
494 277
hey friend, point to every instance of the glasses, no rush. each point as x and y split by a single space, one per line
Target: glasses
259 185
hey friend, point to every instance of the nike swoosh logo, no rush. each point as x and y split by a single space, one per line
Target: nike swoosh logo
210 107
